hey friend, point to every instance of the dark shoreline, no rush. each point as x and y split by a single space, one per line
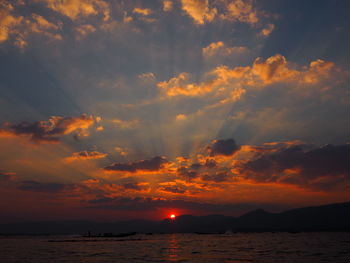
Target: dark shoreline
327 218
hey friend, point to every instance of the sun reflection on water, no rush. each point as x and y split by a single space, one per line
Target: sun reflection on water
173 248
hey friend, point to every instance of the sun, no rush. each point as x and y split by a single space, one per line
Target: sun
172 216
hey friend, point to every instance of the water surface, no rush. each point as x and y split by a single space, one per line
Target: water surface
239 248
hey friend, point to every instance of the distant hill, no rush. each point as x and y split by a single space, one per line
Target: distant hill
334 217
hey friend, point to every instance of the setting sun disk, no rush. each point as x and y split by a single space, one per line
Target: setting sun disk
172 216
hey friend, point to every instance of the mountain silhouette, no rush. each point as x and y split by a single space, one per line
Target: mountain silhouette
333 217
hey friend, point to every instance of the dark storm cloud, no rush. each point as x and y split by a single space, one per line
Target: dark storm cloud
324 168
223 147
51 130
154 164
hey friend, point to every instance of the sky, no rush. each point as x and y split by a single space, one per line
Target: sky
114 110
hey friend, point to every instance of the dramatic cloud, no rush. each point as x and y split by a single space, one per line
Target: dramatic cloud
199 10
223 147
49 131
323 168
168 77
86 155
154 164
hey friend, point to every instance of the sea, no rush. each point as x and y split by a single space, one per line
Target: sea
235 247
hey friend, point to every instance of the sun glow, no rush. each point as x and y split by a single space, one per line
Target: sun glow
172 216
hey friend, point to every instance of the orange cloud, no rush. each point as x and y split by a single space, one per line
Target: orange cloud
38 24
275 69
242 11
21 27
267 30
220 48
86 155
259 173
142 11
181 117
67 125
199 10
8 21
167 5
42 23
85 30
223 85
318 69
179 86
321 168
75 9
